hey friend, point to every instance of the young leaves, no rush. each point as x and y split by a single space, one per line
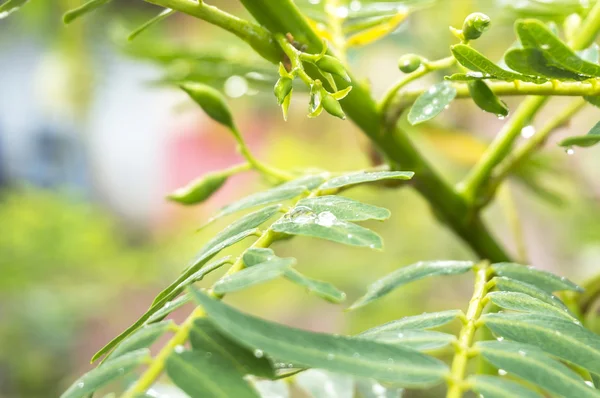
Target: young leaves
590 139
206 339
522 302
431 103
513 285
558 337
365 176
534 34
325 290
259 273
496 387
334 353
420 340
541 279
477 62
85 8
484 97
532 365
325 225
105 373
167 12
142 338
424 321
344 208
411 273
200 375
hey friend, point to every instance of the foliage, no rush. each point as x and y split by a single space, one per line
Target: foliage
522 322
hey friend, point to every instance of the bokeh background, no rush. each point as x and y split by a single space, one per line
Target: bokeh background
93 136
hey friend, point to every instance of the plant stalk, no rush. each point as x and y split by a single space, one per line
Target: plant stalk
466 336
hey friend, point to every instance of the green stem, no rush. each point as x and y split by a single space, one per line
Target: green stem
255 35
425 68
525 151
456 382
518 88
588 30
499 149
256 164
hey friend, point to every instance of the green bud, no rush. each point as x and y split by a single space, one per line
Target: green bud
199 190
282 89
315 104
475 24
332 65
333 107
409 63
211 101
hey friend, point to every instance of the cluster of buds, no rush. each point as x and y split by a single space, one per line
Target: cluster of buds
473 27
320 98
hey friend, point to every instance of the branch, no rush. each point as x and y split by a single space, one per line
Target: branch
518 88
283 17
255 35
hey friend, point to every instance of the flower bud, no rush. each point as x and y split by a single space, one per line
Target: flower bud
331 64
409 63
211 101
475 24
282 89
199 190
332 106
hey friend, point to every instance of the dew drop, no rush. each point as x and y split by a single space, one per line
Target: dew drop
208 354
80 384
527 131
179 349
545 46
341 12
500 117
522 353
401 335
570 151
589 383
356 355
236 86
258 353
355 5
349 236
326 219
428 110
500 338
390 360
378 390
315 2
330 356
502 372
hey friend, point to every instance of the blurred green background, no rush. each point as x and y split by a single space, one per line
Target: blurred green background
93 136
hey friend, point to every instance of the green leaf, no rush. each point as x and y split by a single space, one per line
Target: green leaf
541 279
365 176
206 339
344 208
169 307
274 195
420 340
302 221
323 384
106 373
561 338
513 285
534 62
199 375
90 6
595 380
411 273
325 290
322 289
212 102
485 98
254 275
475 61
590 139
533 366
534 34
143 338
431 103
497 387
240 229
309 182
199 190
10 6
428 320
369 388
524 303
593 100
167 12
330 352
